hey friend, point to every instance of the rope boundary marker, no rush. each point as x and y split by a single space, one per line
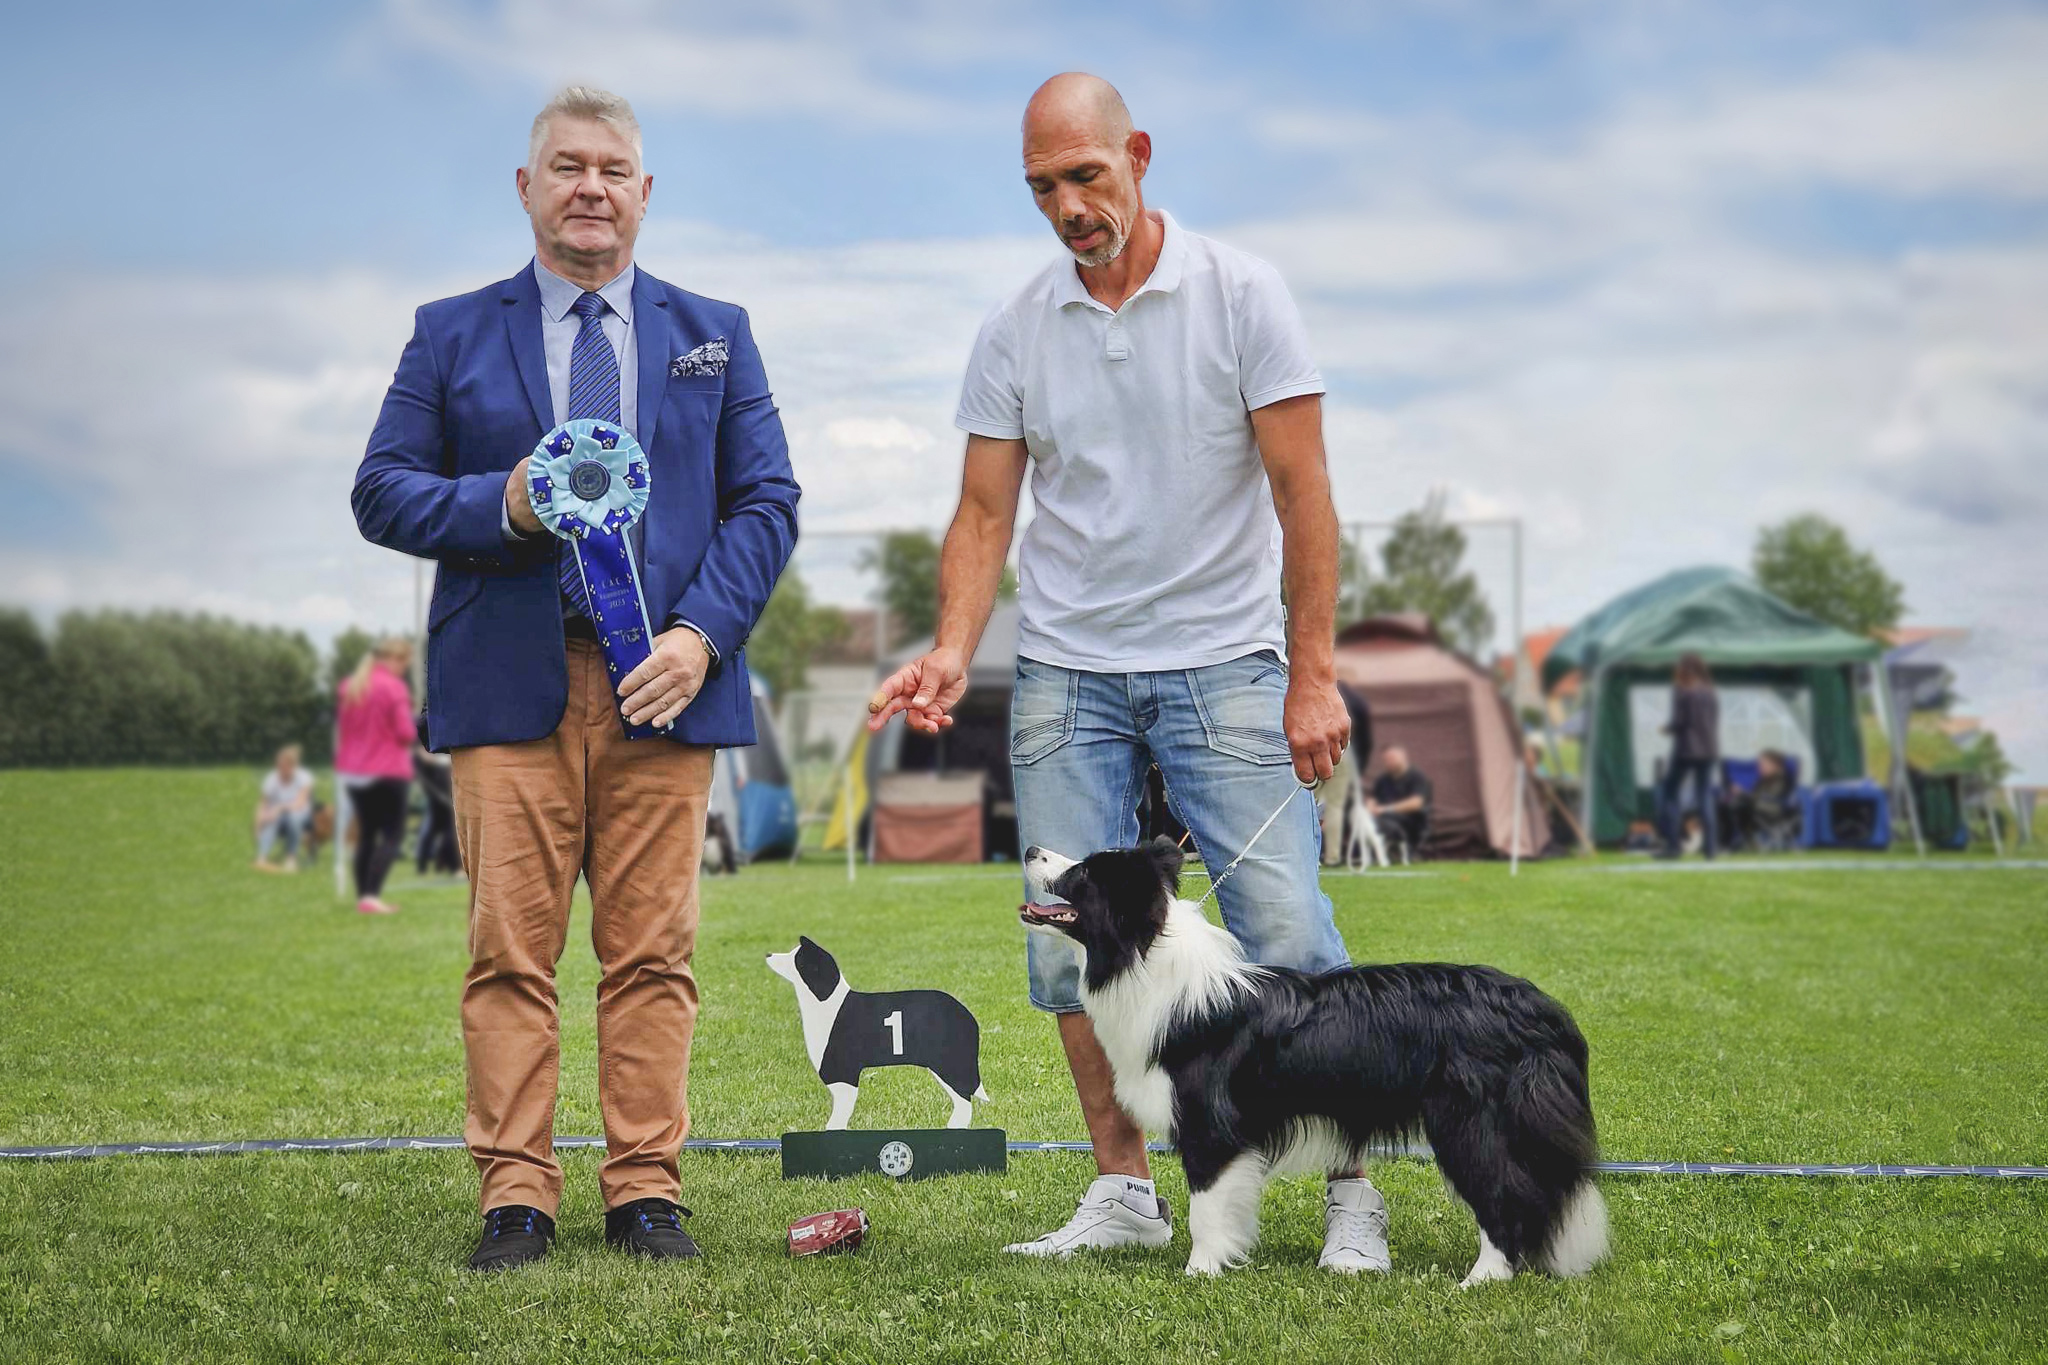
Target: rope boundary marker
91 1151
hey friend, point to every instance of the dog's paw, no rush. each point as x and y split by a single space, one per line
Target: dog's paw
1486 1274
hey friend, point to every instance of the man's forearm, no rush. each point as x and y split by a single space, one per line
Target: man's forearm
970 574
1308 566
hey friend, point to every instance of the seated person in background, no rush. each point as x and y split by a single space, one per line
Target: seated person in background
1768 815
1400 801
283 810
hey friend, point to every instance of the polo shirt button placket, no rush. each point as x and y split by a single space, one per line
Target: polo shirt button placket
1115 347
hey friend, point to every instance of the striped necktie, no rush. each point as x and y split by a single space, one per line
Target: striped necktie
593 392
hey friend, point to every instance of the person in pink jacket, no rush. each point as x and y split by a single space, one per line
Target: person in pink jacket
374 736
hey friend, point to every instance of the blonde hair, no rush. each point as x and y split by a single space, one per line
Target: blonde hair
392 649
583 101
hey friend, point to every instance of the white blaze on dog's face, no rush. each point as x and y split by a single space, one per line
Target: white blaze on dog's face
783 965
1042 867
1112 903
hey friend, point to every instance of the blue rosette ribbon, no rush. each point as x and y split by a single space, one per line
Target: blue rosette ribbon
587 482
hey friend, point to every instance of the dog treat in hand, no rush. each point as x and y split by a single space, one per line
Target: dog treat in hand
838 1230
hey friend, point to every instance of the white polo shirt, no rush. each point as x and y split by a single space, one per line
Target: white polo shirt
1155 545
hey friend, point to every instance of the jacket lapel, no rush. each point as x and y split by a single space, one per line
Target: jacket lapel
522 329
653 335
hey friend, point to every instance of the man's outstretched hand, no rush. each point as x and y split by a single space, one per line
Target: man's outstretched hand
924 690
1318 727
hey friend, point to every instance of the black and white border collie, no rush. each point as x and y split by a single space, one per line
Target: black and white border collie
1256 1070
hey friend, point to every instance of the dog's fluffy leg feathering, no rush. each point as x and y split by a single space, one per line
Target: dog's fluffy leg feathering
1490 1266
1223 1219
1580 1240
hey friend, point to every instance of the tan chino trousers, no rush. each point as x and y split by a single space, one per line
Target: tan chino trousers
628 816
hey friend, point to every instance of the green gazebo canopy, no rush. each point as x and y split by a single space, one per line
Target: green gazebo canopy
1742 632
1718 614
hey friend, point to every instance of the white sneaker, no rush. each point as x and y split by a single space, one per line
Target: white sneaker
1103 1221
1354 1229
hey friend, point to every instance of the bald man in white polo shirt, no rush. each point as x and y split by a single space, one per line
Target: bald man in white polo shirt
1158 389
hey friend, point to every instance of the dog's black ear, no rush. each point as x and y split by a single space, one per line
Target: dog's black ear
1166 856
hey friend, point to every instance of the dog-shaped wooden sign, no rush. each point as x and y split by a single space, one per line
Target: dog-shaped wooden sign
847 1031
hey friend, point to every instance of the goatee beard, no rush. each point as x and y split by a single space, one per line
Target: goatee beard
1107 252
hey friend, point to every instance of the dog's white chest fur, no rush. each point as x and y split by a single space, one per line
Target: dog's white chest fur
1192 966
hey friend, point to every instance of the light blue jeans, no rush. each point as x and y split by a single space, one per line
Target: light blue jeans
1080 744
290 826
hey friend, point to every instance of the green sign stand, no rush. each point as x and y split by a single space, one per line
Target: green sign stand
900 1153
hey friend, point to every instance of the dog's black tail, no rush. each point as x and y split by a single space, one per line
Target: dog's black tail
1551 1113
1517 1144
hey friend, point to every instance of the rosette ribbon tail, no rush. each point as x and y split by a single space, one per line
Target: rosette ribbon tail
611 581
587 481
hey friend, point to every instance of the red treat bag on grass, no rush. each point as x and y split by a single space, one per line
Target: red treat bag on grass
838 1230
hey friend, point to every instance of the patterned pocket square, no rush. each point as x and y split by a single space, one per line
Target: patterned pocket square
706 359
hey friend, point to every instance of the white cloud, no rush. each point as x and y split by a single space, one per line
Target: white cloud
761 59
1969 436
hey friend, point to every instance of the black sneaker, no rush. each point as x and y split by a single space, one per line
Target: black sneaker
514 1235
650 1227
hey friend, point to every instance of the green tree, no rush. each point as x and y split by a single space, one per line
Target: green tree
1809 562
1422 564
908 562
790 633
345 653
167 688
1353 571
30 698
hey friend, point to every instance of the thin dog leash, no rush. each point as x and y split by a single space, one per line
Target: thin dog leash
1225 875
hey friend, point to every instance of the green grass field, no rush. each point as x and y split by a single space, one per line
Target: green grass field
153 987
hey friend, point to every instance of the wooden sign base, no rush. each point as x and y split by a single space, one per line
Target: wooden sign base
900 1153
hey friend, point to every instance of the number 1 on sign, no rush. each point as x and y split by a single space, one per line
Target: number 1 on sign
894 1023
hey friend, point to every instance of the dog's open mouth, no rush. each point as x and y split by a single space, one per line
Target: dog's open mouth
1046 914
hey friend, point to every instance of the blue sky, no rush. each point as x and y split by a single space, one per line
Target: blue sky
1645 275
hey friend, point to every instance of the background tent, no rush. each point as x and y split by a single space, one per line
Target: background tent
1451 718
977 743
1787 681
750 788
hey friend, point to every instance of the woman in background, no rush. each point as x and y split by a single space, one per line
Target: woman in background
1695 731
373 740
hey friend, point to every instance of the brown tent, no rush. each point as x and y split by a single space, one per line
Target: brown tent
928 817
1446 712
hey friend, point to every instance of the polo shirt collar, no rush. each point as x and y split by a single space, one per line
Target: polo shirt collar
1164 279
558 296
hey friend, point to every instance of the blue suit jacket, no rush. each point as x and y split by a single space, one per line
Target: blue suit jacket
470 399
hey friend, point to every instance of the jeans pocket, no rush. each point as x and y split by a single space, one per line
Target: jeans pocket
1042 710
1242 704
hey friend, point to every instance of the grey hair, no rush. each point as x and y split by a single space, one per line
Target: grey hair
584 101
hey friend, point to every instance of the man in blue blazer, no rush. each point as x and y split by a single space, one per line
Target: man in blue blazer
547 785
